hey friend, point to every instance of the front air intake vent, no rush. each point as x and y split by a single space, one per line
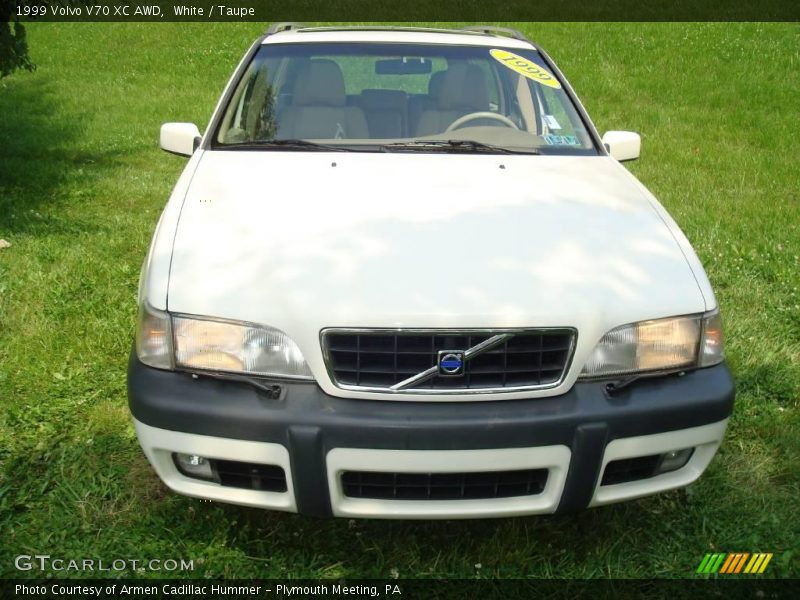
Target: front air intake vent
443 486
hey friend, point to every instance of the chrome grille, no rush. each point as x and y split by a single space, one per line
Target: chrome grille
406 360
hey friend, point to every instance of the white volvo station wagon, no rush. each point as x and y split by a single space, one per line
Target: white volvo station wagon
402 276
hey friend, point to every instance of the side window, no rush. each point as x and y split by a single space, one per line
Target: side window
518 100
251 112
558 117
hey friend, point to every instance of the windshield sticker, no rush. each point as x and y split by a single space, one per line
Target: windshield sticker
551 122
525 67
561 140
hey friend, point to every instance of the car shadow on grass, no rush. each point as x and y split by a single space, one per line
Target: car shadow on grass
45 156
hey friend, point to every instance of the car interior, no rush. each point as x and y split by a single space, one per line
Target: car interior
312 103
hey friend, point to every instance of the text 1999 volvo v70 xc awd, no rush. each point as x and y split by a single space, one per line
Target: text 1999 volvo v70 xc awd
402 276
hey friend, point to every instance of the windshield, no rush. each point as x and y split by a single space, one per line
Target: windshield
401 97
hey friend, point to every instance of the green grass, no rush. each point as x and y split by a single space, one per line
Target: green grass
82 183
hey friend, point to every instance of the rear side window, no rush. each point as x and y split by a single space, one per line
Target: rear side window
361 73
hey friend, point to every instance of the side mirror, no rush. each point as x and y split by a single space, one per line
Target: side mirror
180 138
623 145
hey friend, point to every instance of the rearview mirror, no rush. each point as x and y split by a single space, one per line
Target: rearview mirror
180 138
623 145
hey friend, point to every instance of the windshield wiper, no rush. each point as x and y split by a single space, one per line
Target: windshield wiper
452 145
286 144
614 387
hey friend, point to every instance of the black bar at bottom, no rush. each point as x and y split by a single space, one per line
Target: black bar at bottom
405 589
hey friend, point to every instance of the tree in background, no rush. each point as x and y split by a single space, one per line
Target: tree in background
13 44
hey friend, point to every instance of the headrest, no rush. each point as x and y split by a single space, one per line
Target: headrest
319 83
435 84
464 88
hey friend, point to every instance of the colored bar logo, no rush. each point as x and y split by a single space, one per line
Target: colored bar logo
734 563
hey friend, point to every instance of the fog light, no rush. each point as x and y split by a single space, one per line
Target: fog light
674 460
193 465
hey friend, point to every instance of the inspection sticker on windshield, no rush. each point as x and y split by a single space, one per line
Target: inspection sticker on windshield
561 140
525 67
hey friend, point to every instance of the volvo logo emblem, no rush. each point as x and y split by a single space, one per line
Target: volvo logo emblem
451 363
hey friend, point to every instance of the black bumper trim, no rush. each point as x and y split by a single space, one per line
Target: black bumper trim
308 471
587 448
310 422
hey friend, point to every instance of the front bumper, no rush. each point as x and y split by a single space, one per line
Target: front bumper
316 437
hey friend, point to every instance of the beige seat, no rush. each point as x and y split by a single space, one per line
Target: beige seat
463 91
419 103
318 108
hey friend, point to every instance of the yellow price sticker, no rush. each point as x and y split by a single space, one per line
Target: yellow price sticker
525 67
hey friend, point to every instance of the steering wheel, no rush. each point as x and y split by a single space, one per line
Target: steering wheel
459 122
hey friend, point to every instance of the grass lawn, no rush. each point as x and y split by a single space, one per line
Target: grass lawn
82 183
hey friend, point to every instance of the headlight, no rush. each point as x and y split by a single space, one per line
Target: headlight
659 345
166 342
236 348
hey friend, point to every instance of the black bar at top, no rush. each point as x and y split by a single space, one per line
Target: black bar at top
476 12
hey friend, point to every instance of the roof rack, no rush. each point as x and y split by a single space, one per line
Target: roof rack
283 26
492 30
384 28
473 29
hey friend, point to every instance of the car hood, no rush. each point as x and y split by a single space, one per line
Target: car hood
307 240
